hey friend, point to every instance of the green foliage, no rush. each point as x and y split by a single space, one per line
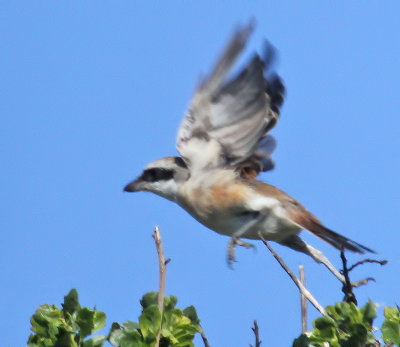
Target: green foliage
391 326
347 326
177 329
344 326
67 327
71 326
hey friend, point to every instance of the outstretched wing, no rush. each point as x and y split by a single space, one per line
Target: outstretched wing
228 118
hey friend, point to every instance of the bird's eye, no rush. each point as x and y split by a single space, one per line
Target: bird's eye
156 174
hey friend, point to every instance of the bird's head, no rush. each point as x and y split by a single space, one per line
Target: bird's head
162 177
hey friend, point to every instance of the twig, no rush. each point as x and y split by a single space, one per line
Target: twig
162 275
381 262
347 288
303 301
362 282
203 336
296 281
256 334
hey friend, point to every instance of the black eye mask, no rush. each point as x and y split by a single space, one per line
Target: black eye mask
156 174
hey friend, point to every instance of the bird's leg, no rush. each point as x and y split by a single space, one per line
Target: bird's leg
236 241
296 243
231 248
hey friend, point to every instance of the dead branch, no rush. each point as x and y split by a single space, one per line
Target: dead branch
347 288
303 301
162 276
374 261
256 334
300 286
203 336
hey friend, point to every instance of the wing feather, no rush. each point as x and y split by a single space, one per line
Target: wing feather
228 118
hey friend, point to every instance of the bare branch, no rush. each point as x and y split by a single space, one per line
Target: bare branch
203 336
381 262
302 288
162 276
347 288
256 334
303 301
362 282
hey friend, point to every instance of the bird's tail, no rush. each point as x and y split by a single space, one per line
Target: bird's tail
336 240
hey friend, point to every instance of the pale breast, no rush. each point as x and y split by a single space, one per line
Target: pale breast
213 196
226 205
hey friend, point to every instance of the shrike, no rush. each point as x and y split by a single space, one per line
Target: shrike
223 145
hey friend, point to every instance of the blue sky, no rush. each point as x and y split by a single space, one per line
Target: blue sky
92 91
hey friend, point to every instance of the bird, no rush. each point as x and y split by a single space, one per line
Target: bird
224 143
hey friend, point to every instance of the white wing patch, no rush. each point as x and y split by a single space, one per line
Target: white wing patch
207 153
227 120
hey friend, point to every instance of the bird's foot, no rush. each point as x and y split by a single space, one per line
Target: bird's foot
231 248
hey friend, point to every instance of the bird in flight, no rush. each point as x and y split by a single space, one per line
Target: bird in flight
223 143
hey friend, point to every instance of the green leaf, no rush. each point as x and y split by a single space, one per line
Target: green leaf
150 321
390 332
185 343
391 313
95 341
302 341
132 339
71 302
36 341
99 320
150 298
182 332
65 340
349 314
325 330
126 335
129 325
126 339
327 334
357 336
391 326
46 320
184 337
85 321
191 313
369 312
115 334
334 311
323 323
170 302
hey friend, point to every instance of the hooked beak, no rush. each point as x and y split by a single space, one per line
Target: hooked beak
134 186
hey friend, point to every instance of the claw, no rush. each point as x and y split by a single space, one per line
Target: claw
231 249
231 252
